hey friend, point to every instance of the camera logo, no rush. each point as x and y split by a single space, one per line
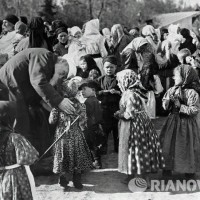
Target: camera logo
137 185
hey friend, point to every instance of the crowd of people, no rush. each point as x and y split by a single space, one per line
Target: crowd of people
89 83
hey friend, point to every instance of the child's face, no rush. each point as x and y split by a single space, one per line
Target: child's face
109 68
83 65
87 92
177 78
62 37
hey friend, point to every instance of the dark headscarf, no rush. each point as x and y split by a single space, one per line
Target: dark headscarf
111 59
12 19
91 64
7 117
190 79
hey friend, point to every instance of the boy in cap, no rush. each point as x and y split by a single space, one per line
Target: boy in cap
109 95
93 132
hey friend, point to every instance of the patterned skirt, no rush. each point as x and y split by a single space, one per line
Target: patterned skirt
71 152
139 147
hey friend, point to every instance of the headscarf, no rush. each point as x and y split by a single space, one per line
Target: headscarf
148 30
20 27
92 28
12 19
74 30
128 79
135 44
190 80
7 117
117 33
106 32
69 88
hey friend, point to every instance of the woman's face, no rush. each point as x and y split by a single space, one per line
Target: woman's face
78 35
62 37
7 26
177 78
83 65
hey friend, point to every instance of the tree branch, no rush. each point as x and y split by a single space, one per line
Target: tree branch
90 9
101 9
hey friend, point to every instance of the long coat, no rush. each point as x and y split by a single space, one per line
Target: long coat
27 76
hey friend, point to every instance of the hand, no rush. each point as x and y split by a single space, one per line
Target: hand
177 103
118 114
113 91
67 106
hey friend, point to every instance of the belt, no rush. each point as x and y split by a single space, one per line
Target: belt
9 167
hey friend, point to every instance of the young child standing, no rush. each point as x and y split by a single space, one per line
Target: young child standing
109 95
93 133
71 153
16 153
179 136
139 147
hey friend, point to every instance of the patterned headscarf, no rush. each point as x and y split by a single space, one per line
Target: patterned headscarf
127 79
69 88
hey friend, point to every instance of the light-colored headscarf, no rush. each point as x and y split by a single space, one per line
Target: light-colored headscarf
136 44
92 28
74 30
117 33
106 32
148 30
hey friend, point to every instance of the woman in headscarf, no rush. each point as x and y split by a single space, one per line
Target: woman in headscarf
188 43
143 62
179 136
61 48
139 147
107 36
8 38
174 37
119 41
93 42
75 34
150 34
16 153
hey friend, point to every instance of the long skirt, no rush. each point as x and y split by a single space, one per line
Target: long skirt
180 141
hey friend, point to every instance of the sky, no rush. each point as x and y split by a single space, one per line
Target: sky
190 2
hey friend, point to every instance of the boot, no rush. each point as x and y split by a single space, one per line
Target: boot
97 164
77 181
62 181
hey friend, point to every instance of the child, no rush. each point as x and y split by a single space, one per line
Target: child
109 95
86 64
180 134
71 153
93 132
94 74
16 153
139 148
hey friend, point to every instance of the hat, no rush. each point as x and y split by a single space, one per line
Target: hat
91 84
12 19
111 59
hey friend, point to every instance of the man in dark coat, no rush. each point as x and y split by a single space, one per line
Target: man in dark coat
27 77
